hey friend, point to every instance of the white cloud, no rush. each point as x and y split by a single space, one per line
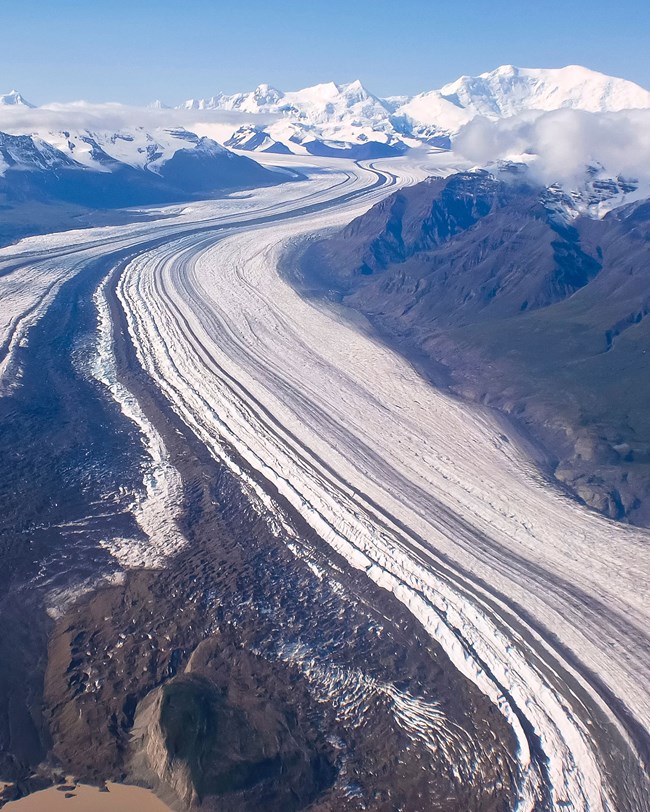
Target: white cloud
558 145
113 117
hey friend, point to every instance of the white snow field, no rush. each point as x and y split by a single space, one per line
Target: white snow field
351 114
541 603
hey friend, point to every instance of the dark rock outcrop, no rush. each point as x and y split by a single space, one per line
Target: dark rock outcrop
232 733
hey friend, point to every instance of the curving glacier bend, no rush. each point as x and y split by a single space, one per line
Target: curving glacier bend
541 603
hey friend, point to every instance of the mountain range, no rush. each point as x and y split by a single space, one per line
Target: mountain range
44 158
346 117
349 121
42 175
131 167
501 291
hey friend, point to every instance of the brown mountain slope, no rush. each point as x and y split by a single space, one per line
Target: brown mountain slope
541 316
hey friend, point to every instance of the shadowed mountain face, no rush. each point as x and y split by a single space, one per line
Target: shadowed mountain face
33 170
540 314
459 250
42 188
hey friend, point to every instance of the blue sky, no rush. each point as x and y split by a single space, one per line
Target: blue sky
140 50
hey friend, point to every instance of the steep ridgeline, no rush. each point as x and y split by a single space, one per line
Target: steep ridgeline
349 121
85 170
525 305
14 99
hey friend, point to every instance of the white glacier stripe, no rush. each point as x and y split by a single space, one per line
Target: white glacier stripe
33 270
389 437
200 413
246 322
157 508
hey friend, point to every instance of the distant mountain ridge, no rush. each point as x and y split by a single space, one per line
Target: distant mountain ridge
508 91
349 114
347 120
14 99
55 180
129 168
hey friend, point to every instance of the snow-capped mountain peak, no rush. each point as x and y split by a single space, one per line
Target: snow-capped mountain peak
509 90
266 94
320 92
14 99
356 86
346 116
355 91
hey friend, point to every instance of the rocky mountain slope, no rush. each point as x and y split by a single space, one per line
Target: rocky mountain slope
95 169
520 302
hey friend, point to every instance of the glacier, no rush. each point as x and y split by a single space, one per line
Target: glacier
416 489
539 602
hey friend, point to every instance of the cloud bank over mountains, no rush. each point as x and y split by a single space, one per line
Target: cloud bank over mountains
559 145
114 117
